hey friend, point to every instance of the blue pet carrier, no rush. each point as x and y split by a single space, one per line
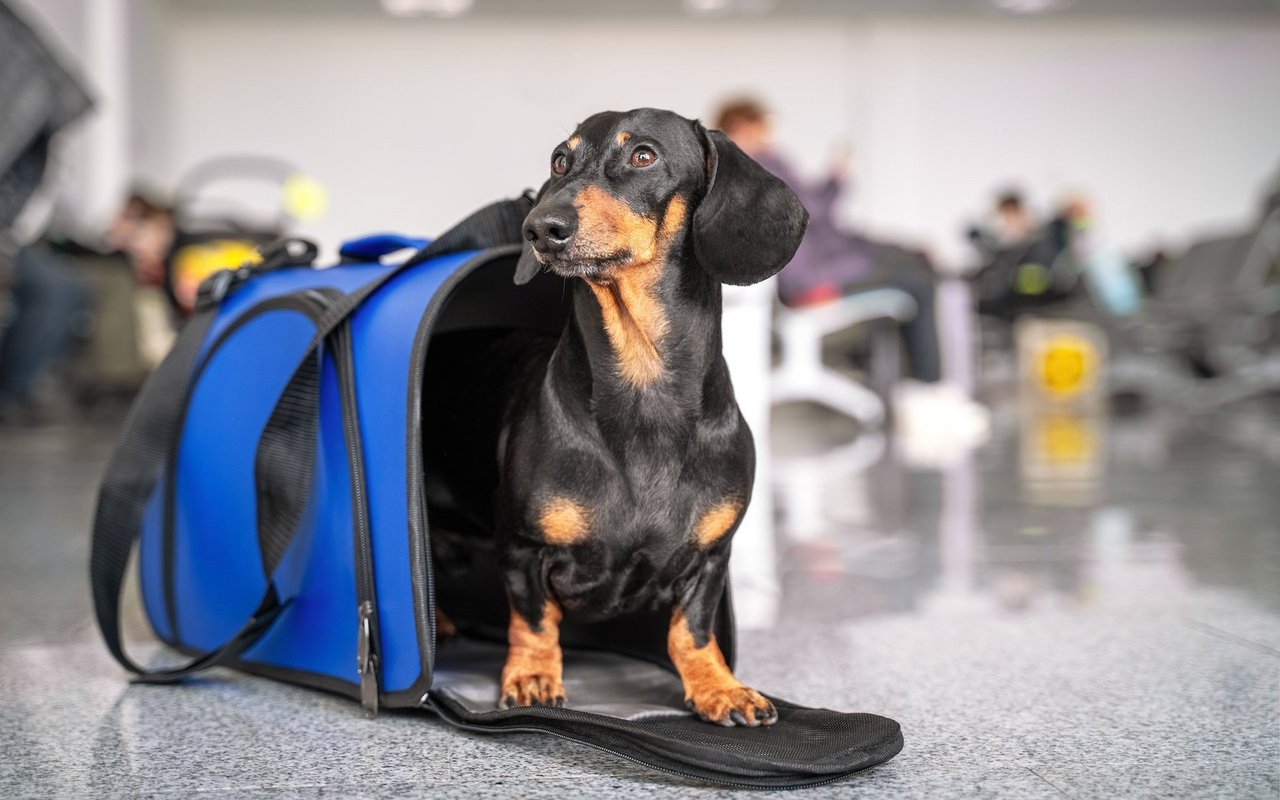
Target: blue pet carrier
271 473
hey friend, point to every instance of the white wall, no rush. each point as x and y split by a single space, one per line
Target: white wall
410 124
1168 125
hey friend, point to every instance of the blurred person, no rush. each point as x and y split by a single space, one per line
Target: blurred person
1113 282
144 232
52 306
1010 226
1027 265
1013 223
832 262
41 300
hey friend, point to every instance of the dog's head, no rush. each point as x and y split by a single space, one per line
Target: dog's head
626 188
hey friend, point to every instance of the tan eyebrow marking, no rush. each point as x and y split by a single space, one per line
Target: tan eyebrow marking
622 137
574 141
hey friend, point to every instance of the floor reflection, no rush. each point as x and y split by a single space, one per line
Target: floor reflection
1038 628
1066 511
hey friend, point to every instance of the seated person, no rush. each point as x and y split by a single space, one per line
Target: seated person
51 305
832 262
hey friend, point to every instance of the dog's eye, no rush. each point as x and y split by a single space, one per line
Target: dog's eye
643 157
559 163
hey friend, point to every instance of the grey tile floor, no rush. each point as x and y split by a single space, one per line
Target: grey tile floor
1081 608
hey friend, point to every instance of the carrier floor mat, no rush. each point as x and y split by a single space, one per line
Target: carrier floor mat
635 709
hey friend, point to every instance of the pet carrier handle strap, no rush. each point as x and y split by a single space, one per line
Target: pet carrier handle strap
372 248
131 477
494 225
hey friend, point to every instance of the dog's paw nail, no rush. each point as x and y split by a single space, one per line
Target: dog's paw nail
559 703
737 718
688 703
508 702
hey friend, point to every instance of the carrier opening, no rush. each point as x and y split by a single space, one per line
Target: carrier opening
489 335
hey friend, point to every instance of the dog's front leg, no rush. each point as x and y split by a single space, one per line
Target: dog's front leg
533 673
710 689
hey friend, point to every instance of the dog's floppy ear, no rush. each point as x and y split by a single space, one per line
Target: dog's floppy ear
749 222
528 266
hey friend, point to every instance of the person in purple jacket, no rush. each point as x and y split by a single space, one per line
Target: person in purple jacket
832 262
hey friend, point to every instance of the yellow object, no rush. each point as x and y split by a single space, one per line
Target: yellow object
193 263
1033 278
1067 439
303 197
1068 364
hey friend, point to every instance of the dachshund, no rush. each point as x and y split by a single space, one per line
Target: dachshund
625 465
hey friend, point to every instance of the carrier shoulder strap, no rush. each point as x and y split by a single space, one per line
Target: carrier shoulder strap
153 428
130 479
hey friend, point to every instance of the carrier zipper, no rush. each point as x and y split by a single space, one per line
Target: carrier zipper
419 541
368 638
367 660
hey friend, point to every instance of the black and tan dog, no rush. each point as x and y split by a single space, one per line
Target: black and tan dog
626 465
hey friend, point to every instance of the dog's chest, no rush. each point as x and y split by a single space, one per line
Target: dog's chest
644 543
603 577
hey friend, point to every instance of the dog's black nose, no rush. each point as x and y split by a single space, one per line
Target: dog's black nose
551 231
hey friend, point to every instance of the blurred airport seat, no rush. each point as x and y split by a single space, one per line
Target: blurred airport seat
1210 333
745 330
226 208
801 374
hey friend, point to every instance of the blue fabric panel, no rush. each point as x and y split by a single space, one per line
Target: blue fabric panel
317 632
150 568
383 342
261 287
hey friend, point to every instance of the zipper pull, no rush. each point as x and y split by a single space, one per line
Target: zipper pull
367 661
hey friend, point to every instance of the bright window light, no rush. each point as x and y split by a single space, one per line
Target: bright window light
426 8
1031 6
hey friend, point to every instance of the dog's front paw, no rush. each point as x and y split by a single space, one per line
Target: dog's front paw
732 705
531 689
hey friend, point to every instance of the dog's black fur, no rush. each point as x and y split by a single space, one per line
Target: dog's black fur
624 463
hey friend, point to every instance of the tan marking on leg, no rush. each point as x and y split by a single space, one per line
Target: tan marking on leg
717 521
633 318
622 137
563 521
533 673
573 142
709 686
